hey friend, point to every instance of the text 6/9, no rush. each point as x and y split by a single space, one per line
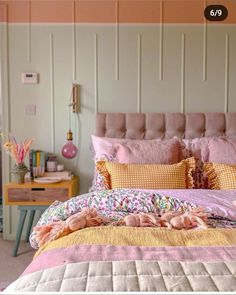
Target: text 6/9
216 12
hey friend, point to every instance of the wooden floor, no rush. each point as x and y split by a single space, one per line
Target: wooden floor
12 267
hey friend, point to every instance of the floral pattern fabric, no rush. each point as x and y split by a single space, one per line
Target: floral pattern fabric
118 203
115 204
112 204
199 176
98 183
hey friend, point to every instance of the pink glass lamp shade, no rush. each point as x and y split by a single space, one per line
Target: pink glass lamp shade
69 150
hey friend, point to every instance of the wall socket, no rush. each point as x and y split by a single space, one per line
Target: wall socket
30 109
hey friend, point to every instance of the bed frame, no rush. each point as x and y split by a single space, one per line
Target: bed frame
165 125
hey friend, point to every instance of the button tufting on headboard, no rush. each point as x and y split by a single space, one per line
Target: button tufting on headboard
165 125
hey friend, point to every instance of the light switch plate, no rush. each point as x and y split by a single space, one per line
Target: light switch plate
30 109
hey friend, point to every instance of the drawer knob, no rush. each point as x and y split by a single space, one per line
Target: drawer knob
38 189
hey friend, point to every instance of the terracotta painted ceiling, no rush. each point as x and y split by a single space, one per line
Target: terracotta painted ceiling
111 11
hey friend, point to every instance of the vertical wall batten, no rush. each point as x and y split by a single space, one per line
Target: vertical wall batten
226 72
117 32
139 73
204 62
6 106
52 92
183 73
161 42
74 42
29 32
95 73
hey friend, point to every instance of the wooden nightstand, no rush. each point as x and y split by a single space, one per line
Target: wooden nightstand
31 196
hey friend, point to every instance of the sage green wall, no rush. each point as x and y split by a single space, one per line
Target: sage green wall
130 68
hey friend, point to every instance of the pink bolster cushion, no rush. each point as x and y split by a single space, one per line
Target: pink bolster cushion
149 151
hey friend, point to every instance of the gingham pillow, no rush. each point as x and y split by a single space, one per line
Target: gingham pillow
147 176
221 176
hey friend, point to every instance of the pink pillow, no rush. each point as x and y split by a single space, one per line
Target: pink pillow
103 147
222 150
198 148
213 149
149 151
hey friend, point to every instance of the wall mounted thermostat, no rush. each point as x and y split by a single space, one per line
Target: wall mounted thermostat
29 78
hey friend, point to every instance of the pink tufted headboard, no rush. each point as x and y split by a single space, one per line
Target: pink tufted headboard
165 125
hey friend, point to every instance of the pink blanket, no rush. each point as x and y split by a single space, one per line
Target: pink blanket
219 202
79 253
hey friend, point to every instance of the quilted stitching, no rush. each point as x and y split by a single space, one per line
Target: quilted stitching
131 276
174 276
222 276
150 277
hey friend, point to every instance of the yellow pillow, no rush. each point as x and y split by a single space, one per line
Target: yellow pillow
221 176
147 176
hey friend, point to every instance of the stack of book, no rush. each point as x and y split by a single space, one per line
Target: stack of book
64 175
36 163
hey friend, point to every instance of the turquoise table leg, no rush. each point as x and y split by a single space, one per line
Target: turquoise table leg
30 223
23 213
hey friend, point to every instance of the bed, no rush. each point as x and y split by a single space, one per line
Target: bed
118 256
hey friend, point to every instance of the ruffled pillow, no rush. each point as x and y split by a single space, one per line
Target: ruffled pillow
221 176
147 176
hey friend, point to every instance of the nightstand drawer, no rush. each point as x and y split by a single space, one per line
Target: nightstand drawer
37 194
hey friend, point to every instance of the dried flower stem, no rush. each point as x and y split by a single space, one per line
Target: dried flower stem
17 150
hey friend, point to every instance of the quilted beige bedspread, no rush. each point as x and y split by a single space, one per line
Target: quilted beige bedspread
131 276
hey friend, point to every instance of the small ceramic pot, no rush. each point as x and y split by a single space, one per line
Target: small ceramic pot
19 171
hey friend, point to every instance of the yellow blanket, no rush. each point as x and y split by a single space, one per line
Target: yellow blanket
143 236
